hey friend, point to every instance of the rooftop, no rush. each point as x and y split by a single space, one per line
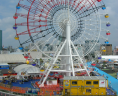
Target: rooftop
83 78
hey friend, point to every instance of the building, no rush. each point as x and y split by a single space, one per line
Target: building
108 48
10 48
84 85
0 39
115 51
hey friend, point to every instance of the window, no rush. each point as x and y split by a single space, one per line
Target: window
74 82
4 66
65 90
88 82
95 82
88 90
50 82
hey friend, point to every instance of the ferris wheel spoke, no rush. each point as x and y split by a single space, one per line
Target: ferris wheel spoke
77 34
85 13
28 8
75 10
40 4
29 40
31 16
26 32
92 34
53 2
22 15
91 5
54 34
103 38
79 38
39 32
31 23
78 4
82 7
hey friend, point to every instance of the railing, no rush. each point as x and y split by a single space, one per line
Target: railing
9 88
36 78
46 90
18 91
115 92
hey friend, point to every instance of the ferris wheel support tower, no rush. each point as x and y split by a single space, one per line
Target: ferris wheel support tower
67 55
75 20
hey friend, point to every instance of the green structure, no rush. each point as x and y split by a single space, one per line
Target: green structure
0 39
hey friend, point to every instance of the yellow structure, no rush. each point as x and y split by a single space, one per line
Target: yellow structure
42 70
27 61
104 50
84 85
106 16
16 38
56 66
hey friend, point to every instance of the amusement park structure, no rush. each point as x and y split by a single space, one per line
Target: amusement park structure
65 23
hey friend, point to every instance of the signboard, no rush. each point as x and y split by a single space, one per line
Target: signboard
66 83
101 83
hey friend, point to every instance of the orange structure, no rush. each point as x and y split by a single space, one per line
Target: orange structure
48 89
13 89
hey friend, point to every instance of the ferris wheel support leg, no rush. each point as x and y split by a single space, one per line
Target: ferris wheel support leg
76 52
79 57
53 63
71 59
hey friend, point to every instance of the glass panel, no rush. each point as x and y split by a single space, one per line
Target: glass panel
95 82
65 90
88 82
88 90
74 82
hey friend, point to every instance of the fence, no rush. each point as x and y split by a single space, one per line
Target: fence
9 88
50 90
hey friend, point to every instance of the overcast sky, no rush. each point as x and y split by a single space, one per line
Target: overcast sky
8 8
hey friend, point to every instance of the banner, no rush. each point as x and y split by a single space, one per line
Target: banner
101 83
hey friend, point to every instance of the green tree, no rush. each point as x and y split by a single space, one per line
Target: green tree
41 61
104 62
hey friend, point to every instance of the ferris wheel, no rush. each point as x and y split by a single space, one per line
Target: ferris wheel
67 24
